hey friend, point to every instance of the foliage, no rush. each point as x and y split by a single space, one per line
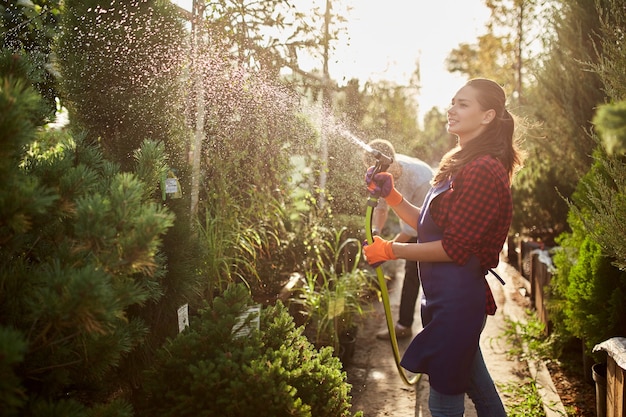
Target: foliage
345 185
492 57
273 34
611 62
436 139
334 291
558 144
540 211
505 52
29 29
610 123
601 206
122 80
529 343
249 247
121 75
588 288
250 137
594 307
16 66
254 239
213 369
525 400
528 339
80 256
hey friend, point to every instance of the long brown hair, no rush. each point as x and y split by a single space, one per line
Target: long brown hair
498 139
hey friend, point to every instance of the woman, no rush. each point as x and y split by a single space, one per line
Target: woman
462 226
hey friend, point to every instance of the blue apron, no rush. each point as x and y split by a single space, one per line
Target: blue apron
452 310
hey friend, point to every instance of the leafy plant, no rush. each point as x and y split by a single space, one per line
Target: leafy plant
223 261
528 339
588 286
332 294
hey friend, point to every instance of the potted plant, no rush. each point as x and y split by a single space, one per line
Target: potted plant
333 299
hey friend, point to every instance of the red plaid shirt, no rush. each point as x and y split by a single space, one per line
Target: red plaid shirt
475 215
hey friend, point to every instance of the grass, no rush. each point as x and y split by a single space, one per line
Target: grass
523 400
529 343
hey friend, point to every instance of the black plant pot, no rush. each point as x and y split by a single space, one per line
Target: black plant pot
347 344
599 376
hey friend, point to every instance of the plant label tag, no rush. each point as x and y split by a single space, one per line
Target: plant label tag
247 321
183 317
171 185
336 307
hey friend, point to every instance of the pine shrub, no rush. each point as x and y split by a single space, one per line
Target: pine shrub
274 371
80 250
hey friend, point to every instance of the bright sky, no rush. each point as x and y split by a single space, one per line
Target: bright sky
386 38
389 37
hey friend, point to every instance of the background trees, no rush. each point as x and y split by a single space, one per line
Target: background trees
30 28
590 279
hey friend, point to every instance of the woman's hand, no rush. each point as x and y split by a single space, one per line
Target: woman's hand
381 185
378 252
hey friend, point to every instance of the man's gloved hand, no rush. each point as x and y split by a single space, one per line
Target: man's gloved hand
378 252
381 184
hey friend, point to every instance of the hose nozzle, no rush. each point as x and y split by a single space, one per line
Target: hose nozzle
382 161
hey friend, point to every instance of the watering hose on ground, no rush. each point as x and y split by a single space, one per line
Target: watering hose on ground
382 163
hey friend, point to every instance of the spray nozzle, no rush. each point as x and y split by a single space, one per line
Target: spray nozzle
382 161
382 158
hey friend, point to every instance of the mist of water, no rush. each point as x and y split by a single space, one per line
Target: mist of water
233 98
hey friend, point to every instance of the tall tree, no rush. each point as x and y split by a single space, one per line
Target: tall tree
80 251
564 99
506 48
121 66
491 57
436 140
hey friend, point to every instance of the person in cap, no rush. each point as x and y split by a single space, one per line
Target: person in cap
412 178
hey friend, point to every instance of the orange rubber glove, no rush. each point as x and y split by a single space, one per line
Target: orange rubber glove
381 184
378 252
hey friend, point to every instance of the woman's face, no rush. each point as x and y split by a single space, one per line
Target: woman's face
466 118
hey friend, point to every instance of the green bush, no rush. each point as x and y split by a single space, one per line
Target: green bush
589 287
594 307
208 370
80 255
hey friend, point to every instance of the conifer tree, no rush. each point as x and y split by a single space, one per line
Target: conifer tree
80 250
121 65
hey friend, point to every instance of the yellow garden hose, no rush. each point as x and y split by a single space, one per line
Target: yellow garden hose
371 203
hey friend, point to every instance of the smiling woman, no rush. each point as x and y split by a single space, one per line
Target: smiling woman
462 226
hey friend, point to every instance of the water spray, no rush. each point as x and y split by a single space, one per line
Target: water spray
382 161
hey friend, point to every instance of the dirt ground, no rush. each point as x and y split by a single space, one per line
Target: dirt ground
377 388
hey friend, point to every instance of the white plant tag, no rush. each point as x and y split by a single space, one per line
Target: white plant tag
171 185
183 317
242 328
